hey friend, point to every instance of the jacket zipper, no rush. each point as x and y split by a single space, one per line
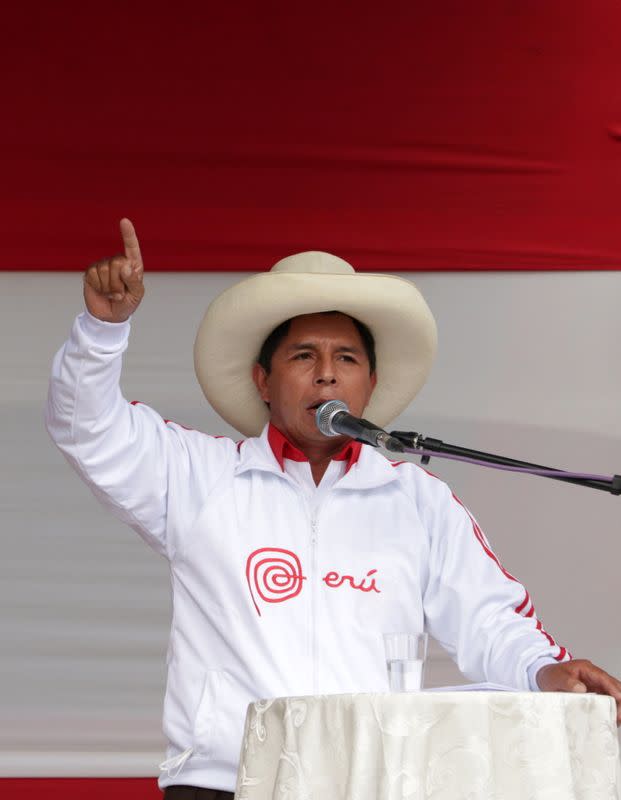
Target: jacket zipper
315 584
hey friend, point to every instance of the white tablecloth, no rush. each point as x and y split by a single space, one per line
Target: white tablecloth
444 746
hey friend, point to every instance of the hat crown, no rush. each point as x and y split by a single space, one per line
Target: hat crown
313 261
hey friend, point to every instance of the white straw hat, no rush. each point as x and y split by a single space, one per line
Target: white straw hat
240 319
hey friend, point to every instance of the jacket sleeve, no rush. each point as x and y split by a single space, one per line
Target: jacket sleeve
127 454
477 610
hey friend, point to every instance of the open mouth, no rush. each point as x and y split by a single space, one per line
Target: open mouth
312 409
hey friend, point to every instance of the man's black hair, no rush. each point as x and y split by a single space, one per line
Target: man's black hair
269 346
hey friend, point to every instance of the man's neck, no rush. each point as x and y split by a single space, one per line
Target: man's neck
319 458
319 454
319 466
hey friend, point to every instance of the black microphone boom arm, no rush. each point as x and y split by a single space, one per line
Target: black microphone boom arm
426 446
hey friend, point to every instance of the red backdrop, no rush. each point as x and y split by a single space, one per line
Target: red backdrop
444 135
438 135
80 789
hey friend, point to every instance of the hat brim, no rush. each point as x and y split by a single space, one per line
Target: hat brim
238 321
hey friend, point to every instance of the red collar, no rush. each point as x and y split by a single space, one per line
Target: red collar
282 448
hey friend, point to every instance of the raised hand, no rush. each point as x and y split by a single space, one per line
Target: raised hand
113 287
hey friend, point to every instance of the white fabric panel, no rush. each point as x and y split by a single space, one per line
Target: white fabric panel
527 367
443 746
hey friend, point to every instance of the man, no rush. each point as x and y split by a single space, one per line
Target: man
291 553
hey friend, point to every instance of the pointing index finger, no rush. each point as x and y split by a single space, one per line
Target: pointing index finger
130 242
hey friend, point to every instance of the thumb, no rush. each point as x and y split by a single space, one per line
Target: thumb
577 686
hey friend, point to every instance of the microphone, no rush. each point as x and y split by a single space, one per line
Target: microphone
333 419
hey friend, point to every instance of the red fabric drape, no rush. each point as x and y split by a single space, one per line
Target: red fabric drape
80 789
443 135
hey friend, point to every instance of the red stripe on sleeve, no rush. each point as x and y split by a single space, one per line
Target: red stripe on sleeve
523 604
527 601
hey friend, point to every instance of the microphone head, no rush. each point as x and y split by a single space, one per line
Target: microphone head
325 413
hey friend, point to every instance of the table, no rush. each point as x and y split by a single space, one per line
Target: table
441 746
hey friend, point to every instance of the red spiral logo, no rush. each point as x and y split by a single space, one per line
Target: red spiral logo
275 575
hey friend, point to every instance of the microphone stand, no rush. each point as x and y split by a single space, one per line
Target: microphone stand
426 446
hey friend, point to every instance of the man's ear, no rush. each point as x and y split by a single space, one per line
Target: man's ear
259 376
373 384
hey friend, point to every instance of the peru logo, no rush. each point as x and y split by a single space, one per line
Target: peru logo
275 575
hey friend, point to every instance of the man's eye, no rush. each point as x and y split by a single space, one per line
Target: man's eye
302 355
348 358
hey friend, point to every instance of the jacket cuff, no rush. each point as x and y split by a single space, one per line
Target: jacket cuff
534 669
107 334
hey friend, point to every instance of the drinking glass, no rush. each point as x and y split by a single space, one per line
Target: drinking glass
405 660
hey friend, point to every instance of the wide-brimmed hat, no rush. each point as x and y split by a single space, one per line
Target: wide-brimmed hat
239 320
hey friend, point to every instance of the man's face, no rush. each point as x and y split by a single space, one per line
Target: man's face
321 358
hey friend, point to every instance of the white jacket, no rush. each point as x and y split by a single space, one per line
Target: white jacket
279 590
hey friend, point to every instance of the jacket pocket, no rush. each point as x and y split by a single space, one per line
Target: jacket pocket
205 723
